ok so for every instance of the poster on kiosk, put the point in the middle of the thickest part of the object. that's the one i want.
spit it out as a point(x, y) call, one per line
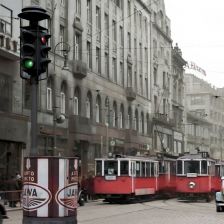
point(50, 187)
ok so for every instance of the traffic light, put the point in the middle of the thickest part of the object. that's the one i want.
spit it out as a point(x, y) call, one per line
point(28, 51)
point(43, 51)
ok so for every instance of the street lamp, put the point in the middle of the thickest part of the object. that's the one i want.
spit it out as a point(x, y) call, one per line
point(61, 118)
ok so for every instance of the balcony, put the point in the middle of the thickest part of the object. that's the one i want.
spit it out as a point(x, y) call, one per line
point(130, 93)
point(79, 69)
point(8, 47)
point(163, 119)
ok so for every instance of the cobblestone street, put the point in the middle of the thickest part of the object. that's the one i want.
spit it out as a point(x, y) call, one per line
point(159, 212)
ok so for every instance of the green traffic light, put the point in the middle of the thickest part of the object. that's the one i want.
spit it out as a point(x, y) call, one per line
point(28, 64)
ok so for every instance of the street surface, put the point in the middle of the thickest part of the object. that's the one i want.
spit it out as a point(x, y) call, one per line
point(154, 212)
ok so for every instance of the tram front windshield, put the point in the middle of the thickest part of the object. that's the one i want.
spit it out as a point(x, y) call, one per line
point(110, 167)
point(191, 167)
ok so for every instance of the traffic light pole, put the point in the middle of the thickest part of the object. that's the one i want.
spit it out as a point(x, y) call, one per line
point(34, 85)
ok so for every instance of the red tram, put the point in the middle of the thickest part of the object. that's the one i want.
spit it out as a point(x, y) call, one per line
point(167, 176)
point(197, 176)
point(124, 177)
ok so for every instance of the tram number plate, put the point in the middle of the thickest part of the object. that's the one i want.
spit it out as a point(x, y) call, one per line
point(110, 177)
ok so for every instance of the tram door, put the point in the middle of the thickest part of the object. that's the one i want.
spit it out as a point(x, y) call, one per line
point(133, 175)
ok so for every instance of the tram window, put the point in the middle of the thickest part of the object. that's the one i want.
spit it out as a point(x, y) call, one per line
point(204, 166)
point(211, 168)
point(137, 169)
point(152, 170)
point(148, 169)
point(143, 169)
point(124, 168)
point(110, 167)
point(161, 167)
point(173, 168)
point(98, 168)
point(179, 167)
point(191, 167)
point(217, 171)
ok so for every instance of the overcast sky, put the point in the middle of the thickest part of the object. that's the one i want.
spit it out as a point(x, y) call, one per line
point(198, 28)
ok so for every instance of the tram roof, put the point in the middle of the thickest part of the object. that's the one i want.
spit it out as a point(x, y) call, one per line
point(198, 156)
point(136, 158)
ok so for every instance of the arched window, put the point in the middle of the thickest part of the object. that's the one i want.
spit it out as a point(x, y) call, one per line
point(98, 109)
point(76, 101)
point(107, 115)
point(114, 114)
point(63, 97)
point(88, 105)
point(147, 124)
point(49, 94)
point(121, 117)
point(141, 129)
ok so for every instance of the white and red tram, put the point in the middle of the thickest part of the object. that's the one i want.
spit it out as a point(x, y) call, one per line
point(197, 176)
point(125, 177)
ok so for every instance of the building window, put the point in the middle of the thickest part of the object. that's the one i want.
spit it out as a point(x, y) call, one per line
point(129, 77)
point(114, 70)
point(106, 58)
point(97, 113)
point(106, 24)
point(121, 117)
point(78, 7)
point(114, 35)
point(98, 109)
point(129, 7)
point(98, 60)
point(98, 19)
point(77, 47)
point(5, 20)
point(89, 17)
point(140, 58)
point(122, 73)
point(88, 108)
point(136, 82)
point(49, 98)
point(142, 124)
point(89, 61)
point(76, 105)
point(141, 84)
point(129, 42)
point(121, 36)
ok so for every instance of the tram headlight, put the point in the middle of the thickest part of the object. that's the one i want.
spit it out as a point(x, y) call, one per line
point(191, 185)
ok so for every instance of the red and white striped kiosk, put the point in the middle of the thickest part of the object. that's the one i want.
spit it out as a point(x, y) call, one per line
point(50, 190)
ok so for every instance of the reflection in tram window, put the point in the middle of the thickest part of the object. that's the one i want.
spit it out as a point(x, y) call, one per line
point(110, 167)
point(204, 169)
point(124, 168)
point(191, 167)
point(98, 168)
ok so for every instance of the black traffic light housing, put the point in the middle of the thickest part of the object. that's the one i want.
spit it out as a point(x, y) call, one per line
point(28, 41)
point(43, 51)
point(34, 43)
